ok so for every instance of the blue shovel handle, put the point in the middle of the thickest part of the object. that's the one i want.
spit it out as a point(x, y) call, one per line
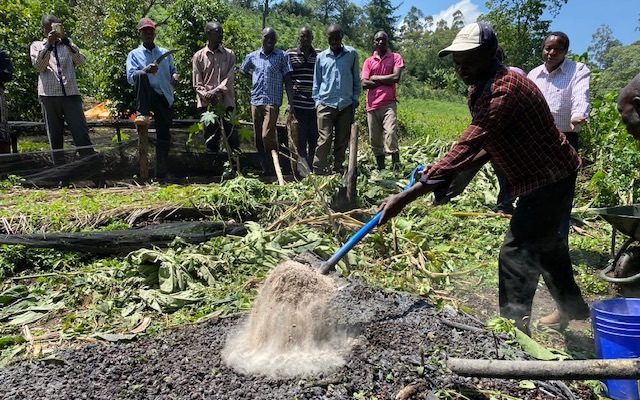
point(330, 264)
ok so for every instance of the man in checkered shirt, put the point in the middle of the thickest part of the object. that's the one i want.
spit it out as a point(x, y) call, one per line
point(269, 68)
point(56, 58)
point(512, 126)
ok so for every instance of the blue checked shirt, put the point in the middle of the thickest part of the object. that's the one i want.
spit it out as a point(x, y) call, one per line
point(336, 80)
point(140, 57)
point(268, 76)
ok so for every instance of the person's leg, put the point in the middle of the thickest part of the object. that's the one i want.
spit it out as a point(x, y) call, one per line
point(269, 133)
point(390, 127)
point(54, 123)
point(294, 125)
point(375, 120)
point(143, 91)
point(326, 117)
point(77, 122)
point(5, 137)
point(341, 140)
point(258, 116)
point(572, 138)
point(163, 115)
point(310, 132)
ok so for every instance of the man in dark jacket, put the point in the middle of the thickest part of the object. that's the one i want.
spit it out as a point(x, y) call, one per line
point(6, 74)
point(512, 126)
point(629, 106)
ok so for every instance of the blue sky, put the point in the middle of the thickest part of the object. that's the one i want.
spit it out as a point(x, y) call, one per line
point(578, 18)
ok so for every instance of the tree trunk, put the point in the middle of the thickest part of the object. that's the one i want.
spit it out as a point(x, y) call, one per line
point(352, 172)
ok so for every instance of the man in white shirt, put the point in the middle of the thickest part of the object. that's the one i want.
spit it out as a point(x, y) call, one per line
point(565, 85)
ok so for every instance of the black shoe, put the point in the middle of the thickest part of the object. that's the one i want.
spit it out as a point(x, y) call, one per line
point(380, 162)
point(395, 162)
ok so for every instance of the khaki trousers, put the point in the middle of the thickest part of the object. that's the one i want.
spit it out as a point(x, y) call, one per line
point(383, 130)
point(334, 127)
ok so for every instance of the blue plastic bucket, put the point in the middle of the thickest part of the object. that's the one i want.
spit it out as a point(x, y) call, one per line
point(616, 331)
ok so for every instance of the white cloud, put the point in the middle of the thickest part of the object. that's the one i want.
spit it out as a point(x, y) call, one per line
point(469, 10)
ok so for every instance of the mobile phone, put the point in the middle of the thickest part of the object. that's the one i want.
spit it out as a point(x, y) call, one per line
point(57, 28)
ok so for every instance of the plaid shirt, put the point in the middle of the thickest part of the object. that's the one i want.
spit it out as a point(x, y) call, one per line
point(512, 122)
point(56, 67)
point(268, 76)
point(566, 89)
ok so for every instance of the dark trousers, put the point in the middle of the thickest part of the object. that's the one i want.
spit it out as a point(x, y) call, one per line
point(533, 246)
point(213, 133)
point(572, 138)
point(57, 110)
point(307, 133)
point(147, 101)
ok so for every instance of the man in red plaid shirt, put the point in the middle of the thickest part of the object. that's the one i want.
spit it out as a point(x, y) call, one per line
point(512, 125)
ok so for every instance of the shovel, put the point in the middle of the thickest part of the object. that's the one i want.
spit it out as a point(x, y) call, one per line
point(330, 264)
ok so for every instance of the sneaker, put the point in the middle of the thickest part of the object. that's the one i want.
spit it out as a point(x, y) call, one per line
point(143, 120)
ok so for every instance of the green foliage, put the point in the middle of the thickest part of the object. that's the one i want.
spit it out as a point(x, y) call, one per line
point(440, 120)
point(21, 26)
point(613, 157)
point(623, 64)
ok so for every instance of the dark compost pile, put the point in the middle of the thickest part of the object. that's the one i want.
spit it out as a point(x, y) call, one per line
point(399, 340)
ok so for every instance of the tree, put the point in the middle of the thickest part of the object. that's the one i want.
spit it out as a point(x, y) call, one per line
point(458, 20)
point(520, 27)
point(623, 65)
point(293, 7)
point(378, 16)
point(602, 41)
point(412, 25)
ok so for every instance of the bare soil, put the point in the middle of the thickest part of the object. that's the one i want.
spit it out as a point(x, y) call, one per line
point(400, 340)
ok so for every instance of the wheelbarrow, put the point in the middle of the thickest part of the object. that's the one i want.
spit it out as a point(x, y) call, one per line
point(625, 263)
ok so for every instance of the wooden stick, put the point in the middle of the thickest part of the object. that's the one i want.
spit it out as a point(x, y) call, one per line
point(276, 166)
point(352, 172)
point(547, 370)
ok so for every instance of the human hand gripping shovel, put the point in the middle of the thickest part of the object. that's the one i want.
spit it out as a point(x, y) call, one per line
point(329, 265)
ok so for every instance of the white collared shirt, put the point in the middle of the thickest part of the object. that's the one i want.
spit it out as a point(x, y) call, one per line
point(566, 90)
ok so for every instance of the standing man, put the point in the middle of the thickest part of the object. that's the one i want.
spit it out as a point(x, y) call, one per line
point(6, 74)
point(511, 125)
point(213, 77)
point(336, 88)
point(380, 74)
point(269, 68)
point(304, 129)
point(629, 106)
point(55, 58)
point(153, 76)
point(565, 85)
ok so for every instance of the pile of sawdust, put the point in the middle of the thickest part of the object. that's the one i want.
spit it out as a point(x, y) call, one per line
point(287, 333)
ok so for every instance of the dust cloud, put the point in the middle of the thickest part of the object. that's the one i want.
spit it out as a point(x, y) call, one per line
point(287, 333)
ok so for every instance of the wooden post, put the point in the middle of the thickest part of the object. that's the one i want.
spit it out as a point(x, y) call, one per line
point(547, 370)
point(143, 150)
point(276, 166)
point(352, 172)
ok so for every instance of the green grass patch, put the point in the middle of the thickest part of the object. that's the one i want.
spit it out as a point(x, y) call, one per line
point(437, 119)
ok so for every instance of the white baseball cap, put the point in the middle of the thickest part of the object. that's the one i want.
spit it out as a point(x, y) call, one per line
point(470, 37)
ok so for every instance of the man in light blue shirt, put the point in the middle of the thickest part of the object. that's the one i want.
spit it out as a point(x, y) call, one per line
point(336, 88)
point(153, 75)
point(269, 68)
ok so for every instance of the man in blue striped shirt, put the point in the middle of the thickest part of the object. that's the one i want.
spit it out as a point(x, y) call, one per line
point(336, 87)
point(303, 125)
point(269, 67)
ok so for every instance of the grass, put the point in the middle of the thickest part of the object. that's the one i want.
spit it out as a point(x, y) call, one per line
point(438, 119)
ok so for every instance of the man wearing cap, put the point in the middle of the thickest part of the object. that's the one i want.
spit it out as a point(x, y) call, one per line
point(56, 58)
point(336, 88)
point(269, 68)
point(512, 126)
point(213, 78)
point(304, 127)
point(380, 74)
point(153, 76)
point(629, 106)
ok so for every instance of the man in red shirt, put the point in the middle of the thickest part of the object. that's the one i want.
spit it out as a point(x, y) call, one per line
point(512, 126)
point(380, 74)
